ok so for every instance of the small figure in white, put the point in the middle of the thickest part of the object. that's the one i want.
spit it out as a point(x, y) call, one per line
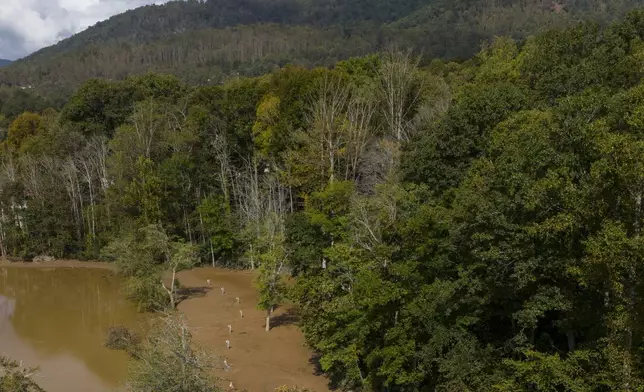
point(222, 290)
point(230, 328)
point(228, 344)
point(208, 282)
point(241, 314)
point(237, 299)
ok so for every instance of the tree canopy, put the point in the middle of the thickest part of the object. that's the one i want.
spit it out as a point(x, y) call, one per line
point(470, 226)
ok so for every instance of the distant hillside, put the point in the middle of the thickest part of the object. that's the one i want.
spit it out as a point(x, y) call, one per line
point(4, 62)
point(210, 41)
point(154, 22)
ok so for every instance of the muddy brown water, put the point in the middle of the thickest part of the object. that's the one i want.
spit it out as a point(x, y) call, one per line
point(56, 319)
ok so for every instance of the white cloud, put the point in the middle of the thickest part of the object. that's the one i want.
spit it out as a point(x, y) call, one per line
point(29, 25)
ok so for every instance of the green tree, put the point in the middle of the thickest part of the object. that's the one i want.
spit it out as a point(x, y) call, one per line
point(144, 256)
point(143, 194)
point(218, 226)
point(169, 361)
point(271, 254)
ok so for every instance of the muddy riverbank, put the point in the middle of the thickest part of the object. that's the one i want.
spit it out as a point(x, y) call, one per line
point(258, 360)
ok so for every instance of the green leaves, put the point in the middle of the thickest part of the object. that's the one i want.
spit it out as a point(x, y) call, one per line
point(328, 208)
point(505, 255)
point(550, 373)
point(216, 216)
point(144, 255)
point(143, 194)
point(15, 378)
point(272, 258)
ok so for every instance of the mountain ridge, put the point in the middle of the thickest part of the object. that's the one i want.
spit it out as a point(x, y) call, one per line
point(208, 42)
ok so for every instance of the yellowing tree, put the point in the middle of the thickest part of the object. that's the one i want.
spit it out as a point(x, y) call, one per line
point(267, 117)
point(23, 127)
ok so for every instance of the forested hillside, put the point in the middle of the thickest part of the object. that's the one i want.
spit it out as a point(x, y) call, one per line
point(207, 42)
point(465, 226)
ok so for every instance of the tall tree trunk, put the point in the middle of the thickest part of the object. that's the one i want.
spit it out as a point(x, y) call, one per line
point(171, 289)
point(2, 237)
point(570, 334)
point(212, 253)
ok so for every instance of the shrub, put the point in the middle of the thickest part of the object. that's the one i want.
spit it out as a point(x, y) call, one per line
point(15, 378)
point(122, 338)
point(168, 361)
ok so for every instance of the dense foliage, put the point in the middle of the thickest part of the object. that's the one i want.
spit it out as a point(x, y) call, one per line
point(457, 227)
point(143, 255)
point(207, 42)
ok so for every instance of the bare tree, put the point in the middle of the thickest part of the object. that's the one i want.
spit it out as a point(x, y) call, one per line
point(372, 215)
point(328, 114)
point(69, 173)
point(97, 151)
point(360, 112)
point(222, 154)
point(249, 201)
point(8, 167)
point(149, 121)
point(10, 176)
point(7, 176)
point(169, 360)
point(380, 164)
point(402, 91)
point(30, 173)
point(87, 174)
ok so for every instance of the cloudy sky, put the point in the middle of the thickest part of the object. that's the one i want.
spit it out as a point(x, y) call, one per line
point(28, 25)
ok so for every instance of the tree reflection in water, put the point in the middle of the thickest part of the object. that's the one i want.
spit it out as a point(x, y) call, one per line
point(7, 307)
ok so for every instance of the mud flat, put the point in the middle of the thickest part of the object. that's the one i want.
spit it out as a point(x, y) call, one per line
point(260, 361)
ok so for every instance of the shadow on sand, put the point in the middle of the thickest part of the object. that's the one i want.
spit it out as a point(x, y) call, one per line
point(290, 317)
point(333, 383)
point(185, 293)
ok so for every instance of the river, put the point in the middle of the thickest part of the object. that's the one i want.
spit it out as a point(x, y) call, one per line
point(56, 319)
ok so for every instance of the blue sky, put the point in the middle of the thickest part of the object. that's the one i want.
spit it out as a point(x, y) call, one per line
point(29, 25)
